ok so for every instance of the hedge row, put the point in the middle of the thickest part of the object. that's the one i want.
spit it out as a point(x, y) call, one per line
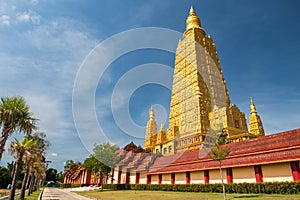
point(264, 188)
point(69, 185)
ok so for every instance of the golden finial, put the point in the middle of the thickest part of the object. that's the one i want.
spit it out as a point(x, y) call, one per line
point(192, 10)
point(162, 127)
point(193, 22)
point(152, 112)
point(252, 107)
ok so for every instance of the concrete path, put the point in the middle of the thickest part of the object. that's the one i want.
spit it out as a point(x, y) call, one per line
point(61, 194)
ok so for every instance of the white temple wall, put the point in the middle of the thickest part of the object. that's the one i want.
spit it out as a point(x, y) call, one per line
point(166, 179)
point(214, 176)
point(143, 178)
point(197, 177)
point(277, 172)
point(180, 178)
point(154, 179)
point(243, 175)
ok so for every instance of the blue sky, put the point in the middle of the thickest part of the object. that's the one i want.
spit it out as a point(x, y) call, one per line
point(44, 43)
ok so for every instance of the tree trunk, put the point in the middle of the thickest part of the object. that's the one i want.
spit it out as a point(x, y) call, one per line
point(28, 181)
point(221, 175)
point(6, 131)
point(35, 183)
point(15, 179)
point(30, 189)
point(23, 188)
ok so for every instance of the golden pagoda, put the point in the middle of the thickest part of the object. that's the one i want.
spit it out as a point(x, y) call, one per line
point(255, 123)
point(200, 103)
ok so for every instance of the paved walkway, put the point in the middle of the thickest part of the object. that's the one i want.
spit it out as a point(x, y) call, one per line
point(61, 194)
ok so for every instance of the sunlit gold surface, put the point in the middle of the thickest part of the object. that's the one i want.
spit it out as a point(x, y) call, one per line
point(199, 99)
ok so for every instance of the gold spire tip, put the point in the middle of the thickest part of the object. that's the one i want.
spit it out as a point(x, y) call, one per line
point(192, 10)
point(151, 112)
point(161, 126)
point(252, 106)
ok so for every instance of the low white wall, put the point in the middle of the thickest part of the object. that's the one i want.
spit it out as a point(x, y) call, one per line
point(214, 176)
point(166, 179)
point(180, 178)
point(197, 177)
point(271, 173)
point(143, 178)
point(243, 175)
point(277, 172)
point(116, 176)
point(132, 177)
point(154, 179)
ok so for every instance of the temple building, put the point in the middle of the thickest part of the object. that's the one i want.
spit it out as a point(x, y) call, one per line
point(200, 101)
point(200, 109)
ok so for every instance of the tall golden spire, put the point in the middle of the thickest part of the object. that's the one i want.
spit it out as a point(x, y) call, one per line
point(252, 107)
point(162, 127)
point(256, 126)
point(151, 131)
point(193, 22)
point(151, 113)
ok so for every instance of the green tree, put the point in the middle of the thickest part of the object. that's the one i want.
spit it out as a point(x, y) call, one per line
point(28, 160)
point(5, 177)
point(68, 164)
point(51, 174)
point(96, 167)
point(11, 168)
point(60, 177)
point(106, 154)
point(38, 175)
point(14, 116)
point(36, 156)
point(106, 157)
point(218, 153)
point(18, 150)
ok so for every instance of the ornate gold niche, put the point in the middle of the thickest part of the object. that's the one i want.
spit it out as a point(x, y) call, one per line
point(200, 100)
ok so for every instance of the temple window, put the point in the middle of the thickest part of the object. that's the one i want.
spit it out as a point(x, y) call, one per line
point(237, 124)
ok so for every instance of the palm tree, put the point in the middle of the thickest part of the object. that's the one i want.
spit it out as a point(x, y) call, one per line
point(29, 161)
point(36, 158)
point(19, 149)
point(11, 168)
point(14, 116)
point(38, 175)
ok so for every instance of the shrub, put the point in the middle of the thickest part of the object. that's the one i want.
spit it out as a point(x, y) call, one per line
point(19, 184)
point(69, 185)
point(266, 188)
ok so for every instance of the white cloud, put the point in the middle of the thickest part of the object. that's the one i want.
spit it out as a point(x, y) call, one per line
point(24, 17)
point(42, 68)
point(29, 16)
point(34, 2)
point(14, 12)
point(5, 20)
point(53, 154)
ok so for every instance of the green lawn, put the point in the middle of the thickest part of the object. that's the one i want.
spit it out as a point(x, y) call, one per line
point(33, 196)
point(163, 195)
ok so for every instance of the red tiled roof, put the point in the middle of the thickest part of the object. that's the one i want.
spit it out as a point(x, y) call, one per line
point(126, 159)
point(273, 148)
point(145, 162)
point(135, 160)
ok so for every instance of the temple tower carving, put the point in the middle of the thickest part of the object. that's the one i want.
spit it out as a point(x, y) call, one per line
point(256, 126)
point(151, 131)
point(200, 101)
